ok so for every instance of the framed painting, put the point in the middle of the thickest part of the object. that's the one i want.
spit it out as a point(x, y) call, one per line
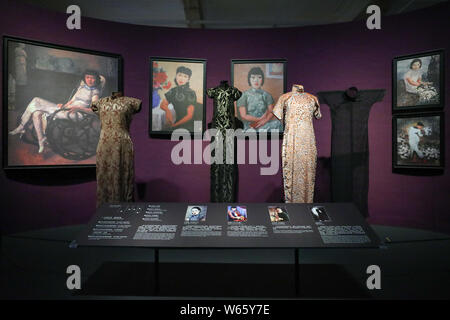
point(418, 140)
point(261, 82)
point(418, 81)
point(47, 93)
point(177, 96)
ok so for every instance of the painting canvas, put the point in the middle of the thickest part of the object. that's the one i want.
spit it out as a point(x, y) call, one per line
point(177, 95)
point(47, 94)
point(261, 82)
point(418, 141)
point(418, 81)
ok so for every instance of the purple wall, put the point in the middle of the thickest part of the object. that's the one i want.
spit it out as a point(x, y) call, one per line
point(332, 57)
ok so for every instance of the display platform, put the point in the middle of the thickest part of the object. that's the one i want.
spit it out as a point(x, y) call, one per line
point(219, 225)
point(33, 265)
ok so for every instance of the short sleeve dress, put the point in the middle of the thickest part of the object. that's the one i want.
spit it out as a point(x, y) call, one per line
point(115, 153)
point(224, 175)
point(182, 97)
point(299, 152)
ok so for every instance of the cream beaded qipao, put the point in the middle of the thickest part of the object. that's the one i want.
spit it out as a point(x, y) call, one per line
point(296, 110)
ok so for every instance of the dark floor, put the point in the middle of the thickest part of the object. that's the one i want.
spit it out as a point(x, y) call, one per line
point(414, 265)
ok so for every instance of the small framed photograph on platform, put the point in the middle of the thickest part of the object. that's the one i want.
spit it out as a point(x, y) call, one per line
point(418, 140)
point(196, 213)
point(418, 81)
point(237, 213)
point(319, 214)
point(278, 214)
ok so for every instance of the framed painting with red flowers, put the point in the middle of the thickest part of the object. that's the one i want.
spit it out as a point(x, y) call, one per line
point(177, 96)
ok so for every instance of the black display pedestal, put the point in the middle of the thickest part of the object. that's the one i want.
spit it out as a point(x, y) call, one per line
point(223, 280)
point(163, 227)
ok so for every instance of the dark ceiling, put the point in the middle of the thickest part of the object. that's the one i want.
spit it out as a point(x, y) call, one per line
point(229, 14)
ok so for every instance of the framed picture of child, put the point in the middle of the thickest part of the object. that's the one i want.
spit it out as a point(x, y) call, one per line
point(418, 140)
point(261, 82)
point(48, 90)
point(418, 81)
point(177, 96)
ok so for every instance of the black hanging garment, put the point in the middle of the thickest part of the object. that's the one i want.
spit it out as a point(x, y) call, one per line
point(224, 176)
point(350, 144)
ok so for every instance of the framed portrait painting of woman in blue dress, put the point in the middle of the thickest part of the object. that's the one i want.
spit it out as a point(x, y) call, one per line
point(261, 82)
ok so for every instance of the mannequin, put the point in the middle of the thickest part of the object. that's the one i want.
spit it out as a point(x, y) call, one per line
point(116, 94)
point(115, 153)
point(352, 93)
point(350, 110)
point(224, 176)
point(298, 88)
point(295, 110)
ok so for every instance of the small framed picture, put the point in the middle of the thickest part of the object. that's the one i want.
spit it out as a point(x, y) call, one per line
point(418, 81)
point(237, 213)
point(418, 140)
point(261, 82)
point(319, 214)
point(177, 95)
point(196, 213)
point(278, 214)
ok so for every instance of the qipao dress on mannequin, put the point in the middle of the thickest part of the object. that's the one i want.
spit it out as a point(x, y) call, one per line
point(350, 144)
point(115, 153)
point(299, 153)
point(224, 176)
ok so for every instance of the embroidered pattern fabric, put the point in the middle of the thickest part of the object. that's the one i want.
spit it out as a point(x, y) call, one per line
point(299, 153)
point(224, 176)
point(115, 153)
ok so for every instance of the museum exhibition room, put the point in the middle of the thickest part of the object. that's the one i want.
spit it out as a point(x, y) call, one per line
point(204, 149)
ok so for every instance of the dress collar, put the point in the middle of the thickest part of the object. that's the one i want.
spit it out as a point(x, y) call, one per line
point(253, 90)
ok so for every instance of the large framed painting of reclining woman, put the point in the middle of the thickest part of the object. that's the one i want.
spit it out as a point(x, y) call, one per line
point(47, 93)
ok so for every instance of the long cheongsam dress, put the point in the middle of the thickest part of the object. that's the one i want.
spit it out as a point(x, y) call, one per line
point(350, 145)
point(224, 175)
point(115, 153)
point(299, 152)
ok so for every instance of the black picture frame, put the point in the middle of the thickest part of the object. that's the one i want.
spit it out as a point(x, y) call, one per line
point(243, 88)
point(404, 156)
point(65, 67)
point(154, 126)
point(403, 101)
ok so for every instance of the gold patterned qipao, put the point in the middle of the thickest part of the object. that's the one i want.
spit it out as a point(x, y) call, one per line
point(115, 153)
